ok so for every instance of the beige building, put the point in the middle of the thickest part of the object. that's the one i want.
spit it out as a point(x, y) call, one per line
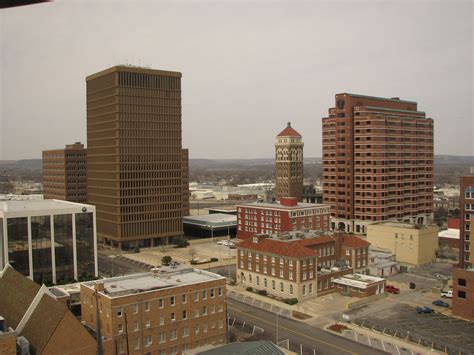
point(161, 312)
point(411, 244)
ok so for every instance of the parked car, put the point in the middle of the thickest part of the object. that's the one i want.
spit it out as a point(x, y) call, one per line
point(412, 285)
point(440, 303)
point(392, 289)
point(446, 294)
point(424, 310)
point(222, 242)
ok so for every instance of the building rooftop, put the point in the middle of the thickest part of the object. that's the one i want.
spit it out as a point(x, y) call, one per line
point(165, 277)
point(289, 132)
point(352, 241)
point(213, 220)
point(396, 224)
point(292, 249)
point(378, 98)
point(278, 206)
point(357, 280)
point(133, 69)
point(449, 233)
point(41, 206)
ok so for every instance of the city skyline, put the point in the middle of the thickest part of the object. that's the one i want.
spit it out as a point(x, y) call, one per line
point(265, 71)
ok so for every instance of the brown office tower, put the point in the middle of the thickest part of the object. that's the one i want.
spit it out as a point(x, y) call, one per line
point(134, 155)
point(64, 173)
point(185, 177)
point(377, 162)
point(289, 164)
point(463, 273)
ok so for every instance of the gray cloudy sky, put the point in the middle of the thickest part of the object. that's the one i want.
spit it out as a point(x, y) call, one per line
point(248, 67)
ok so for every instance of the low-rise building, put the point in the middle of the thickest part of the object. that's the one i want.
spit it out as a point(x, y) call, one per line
point(298, 265)
point(169, 310)
point(382, 263)
point(357, 285)
point(411, 244)
point(285, 216)
point(50, 241)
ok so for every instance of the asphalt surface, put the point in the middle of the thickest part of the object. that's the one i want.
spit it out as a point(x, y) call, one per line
point(111, 265)
point(312, 340)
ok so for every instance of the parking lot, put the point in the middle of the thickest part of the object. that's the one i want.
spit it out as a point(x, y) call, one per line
point(436, 330)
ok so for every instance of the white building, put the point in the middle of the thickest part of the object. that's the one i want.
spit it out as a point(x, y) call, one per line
point(50, 241)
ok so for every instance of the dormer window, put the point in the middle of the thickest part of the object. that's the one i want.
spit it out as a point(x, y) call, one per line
point(255, 239)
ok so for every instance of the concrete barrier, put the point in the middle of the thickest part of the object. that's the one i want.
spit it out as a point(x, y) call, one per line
point(363, 301)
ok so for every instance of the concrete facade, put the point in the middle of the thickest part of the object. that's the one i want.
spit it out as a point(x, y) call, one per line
point(377, 162)
point(411, 244)
point(134, 155)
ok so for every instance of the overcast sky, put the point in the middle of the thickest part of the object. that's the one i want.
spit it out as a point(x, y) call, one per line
point(248, 67)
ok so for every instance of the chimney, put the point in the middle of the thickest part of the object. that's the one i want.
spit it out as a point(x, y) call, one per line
point(289, 201)
point(99, 286)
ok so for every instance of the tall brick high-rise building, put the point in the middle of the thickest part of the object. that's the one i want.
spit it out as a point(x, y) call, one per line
point(65, 173)
point(289, 164)
point(463, 273)
point(377, 162)
point(134, 156)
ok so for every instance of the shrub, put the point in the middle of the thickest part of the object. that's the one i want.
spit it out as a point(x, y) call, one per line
point(290, 301)
point(165, 260)
point(180, 242)
point(214, 259)
point(250, 289)
point(262, 292)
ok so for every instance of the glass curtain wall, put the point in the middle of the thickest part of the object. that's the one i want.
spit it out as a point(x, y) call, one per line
point(17, 229)
point(85, 246)
point(41, 247)
point(63, 248)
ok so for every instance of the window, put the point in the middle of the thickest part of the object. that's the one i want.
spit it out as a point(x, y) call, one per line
point(160, 302)
point(204, 310)
point(135, 308)
point(174, 334)
point(462, 294)
point(290, 263)
point(204, 294)
point(119, 312)
point(250, 278)
point(173, 317)
point(462, 282)
point(204, 327)
point(273, 260)
point(147, 306)
point(212, 292)
point(304, 289)
point(264, 269)
point(219, 291)
point(183, 298)
point(136, 345)
point(148, 323)
point(348, 252)
point(310, 288)
point(282, 288)
point(257, 281)
point(185, 331)
point(120, 328)
point(265, 282)
point(148, 340)
point(135, 325)
point(162, 320)
point(304, 275)
point(311, 274)
point(172, 300)
point(273, 271)
point(196, 329)
point(185, 315)
point(162, 337)
point(281, 272)
point(273, 284)
point(291, 289)
point(257, 267)
point(196, 296)
point(290, 275)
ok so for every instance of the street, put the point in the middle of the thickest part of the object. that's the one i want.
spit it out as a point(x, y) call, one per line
point(313, 340)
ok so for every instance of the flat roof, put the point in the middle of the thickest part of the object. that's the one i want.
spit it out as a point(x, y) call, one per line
point(357, 280)
point(278, 206)
point(377, 98)
point(212, 220)
point(166, 277)
point(449, 233)
point(133, 69)
point(394, 110)
point(41, 206)
point(400, 225)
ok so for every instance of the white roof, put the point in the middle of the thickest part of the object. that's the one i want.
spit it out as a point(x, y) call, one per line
point(449, 233)
point(41, 207)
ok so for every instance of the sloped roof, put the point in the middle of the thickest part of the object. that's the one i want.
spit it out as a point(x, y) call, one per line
point(289, 132)
point(351, 241)
point(291, 249)
point(246, 348)
point(16, 294)
point(316, 241)
point(43, 321)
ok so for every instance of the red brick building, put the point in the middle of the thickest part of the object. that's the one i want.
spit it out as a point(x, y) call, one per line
point(298, 265)
point(463, 273)
point(377, 162)
point(273, 218)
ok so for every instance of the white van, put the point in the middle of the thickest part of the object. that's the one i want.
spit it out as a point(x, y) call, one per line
point(447, 294)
